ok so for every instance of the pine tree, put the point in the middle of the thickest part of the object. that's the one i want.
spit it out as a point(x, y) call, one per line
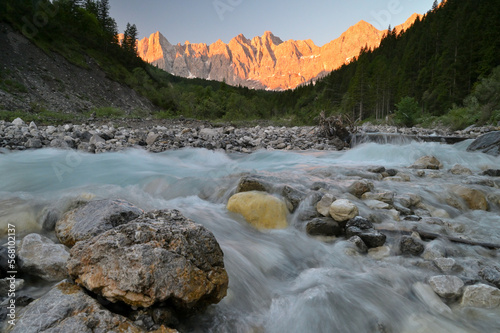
point(434, 5)
point(129, 38)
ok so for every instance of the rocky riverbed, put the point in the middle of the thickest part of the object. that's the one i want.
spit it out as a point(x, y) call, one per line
point(378, 238)
point(167, 135)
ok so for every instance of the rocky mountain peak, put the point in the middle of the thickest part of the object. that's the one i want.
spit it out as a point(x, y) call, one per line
point(263, 62)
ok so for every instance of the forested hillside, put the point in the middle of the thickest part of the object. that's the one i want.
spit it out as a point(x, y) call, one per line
point(431, 67)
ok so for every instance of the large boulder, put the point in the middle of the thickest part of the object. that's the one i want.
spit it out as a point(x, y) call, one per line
point(260, 209)
point(40, 256)
point(93, 219)
point(68, 308)
point(488, 143)
point(159, 257)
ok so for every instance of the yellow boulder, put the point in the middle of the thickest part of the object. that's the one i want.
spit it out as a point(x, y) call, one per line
point(260, 209)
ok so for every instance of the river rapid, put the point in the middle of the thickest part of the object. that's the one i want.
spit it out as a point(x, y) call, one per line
point(285, 280)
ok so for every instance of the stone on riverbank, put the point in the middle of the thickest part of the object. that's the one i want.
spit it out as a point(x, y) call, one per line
point(40, 256)
point(159, 257)
point(260, 209)
point(67, 308)
point(93, 219)
point(323, 227)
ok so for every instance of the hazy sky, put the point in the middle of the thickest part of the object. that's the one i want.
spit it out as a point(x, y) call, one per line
point(205, 21)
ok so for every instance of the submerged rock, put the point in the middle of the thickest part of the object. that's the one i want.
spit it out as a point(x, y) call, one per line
point(411, 245)
point(40, 256)
point(481, 296)
point(488, 143)
point(458, 169)
point(475, 199)
point(159, 257)
point(260, 209)
point(252, 183)
point(427, 162)
point(93, 219)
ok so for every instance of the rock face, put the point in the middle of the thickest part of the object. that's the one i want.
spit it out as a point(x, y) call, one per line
point(261, 62)
point(93, 219)
point(159, 257)
point(67, 308)
point(260, 209)
point(488, 143)
point(40, 256)
point(48, 82)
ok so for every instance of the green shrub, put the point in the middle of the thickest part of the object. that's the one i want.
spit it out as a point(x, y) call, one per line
point(108, 112)
point(406, 112)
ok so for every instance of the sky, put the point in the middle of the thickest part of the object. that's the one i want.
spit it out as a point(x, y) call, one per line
point(206, 21)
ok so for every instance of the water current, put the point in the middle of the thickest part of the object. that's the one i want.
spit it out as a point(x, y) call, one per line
point(281, 280)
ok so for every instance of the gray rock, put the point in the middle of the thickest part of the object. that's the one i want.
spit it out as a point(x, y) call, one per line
point(445, 264)
point(323, 205)
point(488, 143)
point(34, 143)
point(427, 162)
point(18, 122)
point(358, 242)
point(252, 183)
point(481, 296)
point(411, 245)
point(94, 218)
point(447, 286)
point(360, 222)
point(360, 187)
point(96, 139)
point(491, 274)
point(40, 256)
point(292, 196)
point(159, 257)
point(67, 308)
point(323, 227)
point(151, 138)
point(372, 238)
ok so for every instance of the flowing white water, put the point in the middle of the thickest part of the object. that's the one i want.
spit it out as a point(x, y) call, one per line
point(280, 280)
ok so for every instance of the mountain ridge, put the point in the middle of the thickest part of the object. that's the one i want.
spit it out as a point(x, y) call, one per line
point(262, 62)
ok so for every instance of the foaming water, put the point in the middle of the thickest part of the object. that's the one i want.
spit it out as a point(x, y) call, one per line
point(280, 280)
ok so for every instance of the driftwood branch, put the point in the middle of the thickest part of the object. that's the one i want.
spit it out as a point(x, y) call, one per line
point(430, 235)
